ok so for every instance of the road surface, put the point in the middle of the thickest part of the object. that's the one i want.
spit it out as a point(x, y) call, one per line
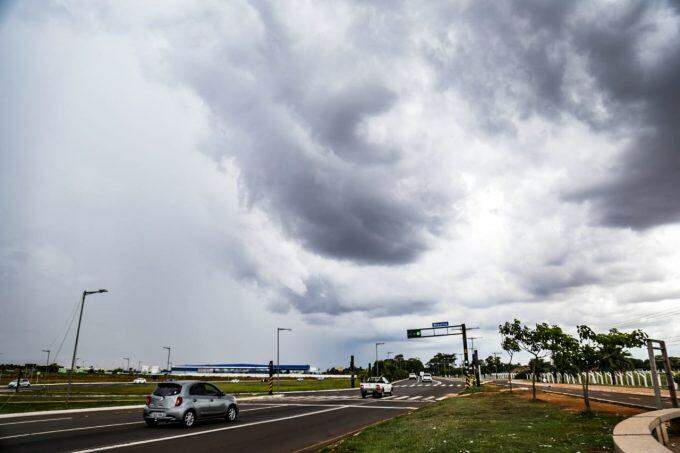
point(295, 422)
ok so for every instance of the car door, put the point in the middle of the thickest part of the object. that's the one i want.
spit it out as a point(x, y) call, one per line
point(199, 400)
point(218, 405)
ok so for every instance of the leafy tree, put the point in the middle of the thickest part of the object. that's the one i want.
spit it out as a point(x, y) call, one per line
point(510, 346)
point(589, 351)
point(538, 342)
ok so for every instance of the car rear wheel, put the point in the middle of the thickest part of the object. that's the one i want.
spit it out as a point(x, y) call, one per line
point(189, 419)
point(363, 394)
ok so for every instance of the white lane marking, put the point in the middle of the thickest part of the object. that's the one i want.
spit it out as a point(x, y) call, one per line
point(428, 398)
point(91, 427)
point(37, 421)
point(73, 411)
point(388, 397)
point(69, 430)
point(412, 385)
point(208, 431)
point(414, 398)
point(401, 397)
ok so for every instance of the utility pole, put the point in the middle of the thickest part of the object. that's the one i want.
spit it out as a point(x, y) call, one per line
point(278, 363)
point(376, 357)
point(168, 363)
point(75, 346)
point(351, 370)
point(47, 362)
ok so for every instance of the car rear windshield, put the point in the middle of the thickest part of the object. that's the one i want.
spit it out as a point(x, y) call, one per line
point(374, 379)
point(167, 389)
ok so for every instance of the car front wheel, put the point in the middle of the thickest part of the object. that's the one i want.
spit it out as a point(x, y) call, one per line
point(232, 414)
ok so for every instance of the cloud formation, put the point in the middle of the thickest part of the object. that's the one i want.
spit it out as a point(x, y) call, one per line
point(336, 165)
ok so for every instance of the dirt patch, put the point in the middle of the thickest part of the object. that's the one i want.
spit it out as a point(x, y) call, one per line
point(574, 404)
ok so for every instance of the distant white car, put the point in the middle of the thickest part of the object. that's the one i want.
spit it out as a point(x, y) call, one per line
point(412, 376)
point(300, 379)
point(321, 378)
point(139, 380)
point(235, 381)
point(427, 377)
point(23, 384)
point(376, 386)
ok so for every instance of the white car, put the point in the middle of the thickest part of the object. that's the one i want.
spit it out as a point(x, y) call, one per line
point(427, 377)
point(23, 384)
point(412, 376)
point(376, 386)
point(139, 380)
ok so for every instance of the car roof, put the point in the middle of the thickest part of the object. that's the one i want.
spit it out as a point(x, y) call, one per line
point(185, 382)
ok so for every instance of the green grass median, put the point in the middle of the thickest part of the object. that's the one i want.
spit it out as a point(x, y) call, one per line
point(488, 421)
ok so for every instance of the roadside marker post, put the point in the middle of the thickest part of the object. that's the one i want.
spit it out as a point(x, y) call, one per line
point(271, 377)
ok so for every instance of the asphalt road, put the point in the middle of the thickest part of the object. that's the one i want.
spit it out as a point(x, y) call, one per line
point(627, 399)
point(295, 422)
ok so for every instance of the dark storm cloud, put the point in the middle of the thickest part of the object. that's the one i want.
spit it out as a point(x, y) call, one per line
point(518, 59)
point(322, 297)
point(300, 143)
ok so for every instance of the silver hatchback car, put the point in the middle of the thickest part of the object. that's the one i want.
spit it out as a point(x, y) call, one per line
point(187, 402)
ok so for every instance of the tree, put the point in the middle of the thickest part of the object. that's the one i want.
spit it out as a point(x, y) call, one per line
point(589, 351)
point(538, 342)
point(510, 346)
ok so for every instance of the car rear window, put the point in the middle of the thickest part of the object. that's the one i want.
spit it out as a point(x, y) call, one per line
point(375, 379)
point(167, 389)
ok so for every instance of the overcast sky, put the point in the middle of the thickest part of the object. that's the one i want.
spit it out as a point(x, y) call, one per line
point(345, 169)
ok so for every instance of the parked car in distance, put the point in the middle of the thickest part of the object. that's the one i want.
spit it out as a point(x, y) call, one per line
point(376, 386)
point(187, 402)
point(23, 384)
point(139, 380)
point(412, 376)
point(427, 377)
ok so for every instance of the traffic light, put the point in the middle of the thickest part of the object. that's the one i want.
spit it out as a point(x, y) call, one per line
point(271, 368)
point(413, 333)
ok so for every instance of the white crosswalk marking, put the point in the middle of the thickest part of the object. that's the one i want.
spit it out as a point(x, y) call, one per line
point(414, 398)
point(402, 397)
point(412, 385)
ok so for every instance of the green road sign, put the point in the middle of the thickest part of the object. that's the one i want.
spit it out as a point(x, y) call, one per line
point(413, 333)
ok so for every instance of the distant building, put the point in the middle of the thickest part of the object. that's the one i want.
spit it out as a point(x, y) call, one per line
point(237, 368)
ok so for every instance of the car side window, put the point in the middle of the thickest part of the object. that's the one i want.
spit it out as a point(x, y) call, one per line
point(197, 389)
point(211, 390)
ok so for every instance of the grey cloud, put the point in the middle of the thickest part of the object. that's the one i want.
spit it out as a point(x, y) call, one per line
point(298, 140)
point(528, 55)
point(323, 298)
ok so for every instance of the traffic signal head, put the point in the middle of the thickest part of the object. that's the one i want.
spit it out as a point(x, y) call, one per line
point(413, 333)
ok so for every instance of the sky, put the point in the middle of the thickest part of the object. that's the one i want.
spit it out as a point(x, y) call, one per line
point(346, 169)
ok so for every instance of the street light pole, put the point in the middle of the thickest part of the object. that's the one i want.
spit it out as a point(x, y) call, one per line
point(168, 363)
point(75, 346)
point(376, 357)
point(47, 363)
point(278, 363)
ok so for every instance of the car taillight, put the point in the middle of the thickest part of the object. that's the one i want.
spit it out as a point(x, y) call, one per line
point(148, 400)
point(178, 401)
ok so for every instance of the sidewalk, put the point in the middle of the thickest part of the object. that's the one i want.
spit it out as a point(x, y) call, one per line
point(597, 387)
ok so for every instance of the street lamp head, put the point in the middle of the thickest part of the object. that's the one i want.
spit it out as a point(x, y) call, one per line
point(103, 291)
point(280, 329)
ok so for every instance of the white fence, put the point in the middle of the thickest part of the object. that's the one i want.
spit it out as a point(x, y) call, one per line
point(635, 378)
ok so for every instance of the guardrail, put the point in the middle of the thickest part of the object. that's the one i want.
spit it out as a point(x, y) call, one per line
point(636, 434)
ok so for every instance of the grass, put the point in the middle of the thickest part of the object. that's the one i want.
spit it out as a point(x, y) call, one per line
point(487, 421)
point(114, 395)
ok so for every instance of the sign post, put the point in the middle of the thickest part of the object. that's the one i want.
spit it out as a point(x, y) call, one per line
point(443, 329)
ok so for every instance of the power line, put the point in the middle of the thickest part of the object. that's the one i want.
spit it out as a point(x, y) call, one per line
point(650, 317)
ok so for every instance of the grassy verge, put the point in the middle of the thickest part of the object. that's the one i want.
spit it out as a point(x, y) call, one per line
point(487, 421)
point(114, 395)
